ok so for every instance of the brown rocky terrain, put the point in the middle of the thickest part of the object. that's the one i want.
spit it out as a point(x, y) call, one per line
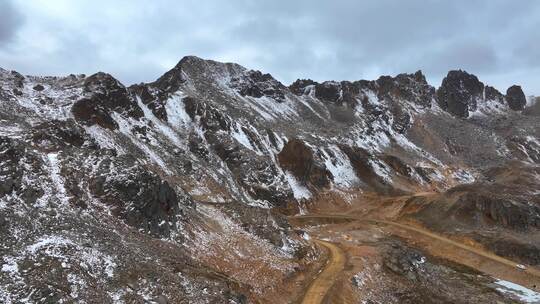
point(179, 190)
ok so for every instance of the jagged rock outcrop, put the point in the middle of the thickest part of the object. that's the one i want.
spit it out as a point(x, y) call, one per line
point(498, 210)
point(10, 173)
point(410, 87)
point(460, 93)
point(57, 135)
point(493, 94)
point(515, 98)
point(105, 95)
point(135, 195)
point(257, 84)
point(300, 86)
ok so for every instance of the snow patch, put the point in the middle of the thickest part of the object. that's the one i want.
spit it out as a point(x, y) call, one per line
point(240, 136)
point(164, 129)
point(524, 294)
point(340, 167)
point(58, 181)
point(104, 138)
point(299, 191)
point(176, 111)
point(487, 107)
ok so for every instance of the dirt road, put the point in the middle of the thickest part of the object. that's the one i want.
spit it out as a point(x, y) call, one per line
point(324, 281)
point(427, 233)
point(316, 293)
point(477, 251)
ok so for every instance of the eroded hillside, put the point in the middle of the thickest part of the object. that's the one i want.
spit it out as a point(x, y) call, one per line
point(178, 190)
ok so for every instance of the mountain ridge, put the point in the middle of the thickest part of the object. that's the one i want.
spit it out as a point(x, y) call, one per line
point(205, 162)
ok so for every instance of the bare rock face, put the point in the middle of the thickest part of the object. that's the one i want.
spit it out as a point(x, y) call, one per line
point(255, 174)
point(135, 195)
point(154, 103)
point(38, 88)
point(257, 84)
point(10, 172)
point(363, 165)
point(106, 95)
point(57, 135)
point(338, 93)
point(459, 93)
point(300, 86)
point(516, 98)
point(410, 87)
point(493, 94)
point(211, 118)
point(329, 92)
point(298, 158)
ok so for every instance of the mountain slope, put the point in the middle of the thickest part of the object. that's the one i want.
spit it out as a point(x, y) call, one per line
point(177, 188)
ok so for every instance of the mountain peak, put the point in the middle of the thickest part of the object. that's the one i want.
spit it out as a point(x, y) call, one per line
point(195, 67)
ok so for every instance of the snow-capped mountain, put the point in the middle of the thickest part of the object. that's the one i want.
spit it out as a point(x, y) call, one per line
point(177, 189)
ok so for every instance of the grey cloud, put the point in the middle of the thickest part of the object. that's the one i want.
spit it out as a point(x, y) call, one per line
point(10, 21)
point(323, 40)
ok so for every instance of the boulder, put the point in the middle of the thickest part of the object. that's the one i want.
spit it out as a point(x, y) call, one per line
point(459, 93)
point(516, 98)
point(38, 88)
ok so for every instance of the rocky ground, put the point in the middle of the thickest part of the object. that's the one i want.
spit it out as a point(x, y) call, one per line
point(177, 191)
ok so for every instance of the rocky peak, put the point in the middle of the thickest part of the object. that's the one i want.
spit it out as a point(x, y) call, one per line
point(420, 77)
point(460, 92)
point(172, 79)
point(299, 86)
point(105, 94)
point(339, 93)
point(410, 87)
point(516, 98)
point(102, 83)
point(493, 94)
point(256, 84)
point(188, 67)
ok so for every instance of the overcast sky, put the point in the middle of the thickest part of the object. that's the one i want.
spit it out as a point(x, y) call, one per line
point(137, 41)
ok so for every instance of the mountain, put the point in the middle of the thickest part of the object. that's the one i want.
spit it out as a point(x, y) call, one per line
point(178, 190)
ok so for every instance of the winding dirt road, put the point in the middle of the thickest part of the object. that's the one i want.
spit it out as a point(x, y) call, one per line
point(319, 287)
point(323, 282)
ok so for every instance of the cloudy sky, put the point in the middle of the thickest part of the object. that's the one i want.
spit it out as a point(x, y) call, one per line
point(137, 41)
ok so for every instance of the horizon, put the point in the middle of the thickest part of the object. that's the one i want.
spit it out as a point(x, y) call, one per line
point(287, 84)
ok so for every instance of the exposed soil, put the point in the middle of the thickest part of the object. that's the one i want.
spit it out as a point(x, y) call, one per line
point(318, 289)
point(359, 245)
